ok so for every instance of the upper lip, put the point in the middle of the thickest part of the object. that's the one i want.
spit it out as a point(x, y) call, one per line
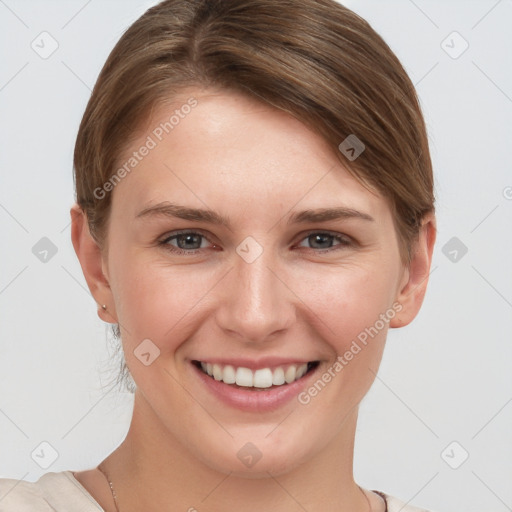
point(255, 364)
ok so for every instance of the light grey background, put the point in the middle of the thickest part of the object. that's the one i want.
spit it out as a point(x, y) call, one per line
point(444, 378)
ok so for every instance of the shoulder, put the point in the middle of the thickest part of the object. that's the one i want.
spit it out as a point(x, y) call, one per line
point(396, 505)
point(18, 495)
point(53, 492)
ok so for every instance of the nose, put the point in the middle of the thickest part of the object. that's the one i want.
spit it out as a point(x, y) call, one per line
point(256, 303)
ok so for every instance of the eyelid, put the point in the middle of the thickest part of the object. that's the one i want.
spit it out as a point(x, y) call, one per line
point(172, 234)
point(164, 242)
point(335, 234)
point(344, 241)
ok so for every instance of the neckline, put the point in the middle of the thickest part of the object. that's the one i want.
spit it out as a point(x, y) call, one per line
point(383, 496)
point(71, 477)
point(69, 474)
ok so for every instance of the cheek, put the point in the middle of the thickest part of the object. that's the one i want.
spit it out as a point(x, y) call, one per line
point(157, 302)
point(346, 303)
point(351, 311)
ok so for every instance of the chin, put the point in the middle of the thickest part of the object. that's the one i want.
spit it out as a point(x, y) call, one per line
point(254, 459)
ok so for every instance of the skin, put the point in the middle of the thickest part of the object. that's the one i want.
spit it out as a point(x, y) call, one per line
point(256, 166)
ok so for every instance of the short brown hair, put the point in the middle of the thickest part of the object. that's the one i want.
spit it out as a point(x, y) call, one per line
point(314, 59)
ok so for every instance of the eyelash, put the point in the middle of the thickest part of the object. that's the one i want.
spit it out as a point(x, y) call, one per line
point(344, 241)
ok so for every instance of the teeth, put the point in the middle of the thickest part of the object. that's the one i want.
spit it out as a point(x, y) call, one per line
point(278, 377)
point(290, 374)
point(262, 378)
point(301, 370)
point(244, 377)
point(217, 372)
point(228, 375)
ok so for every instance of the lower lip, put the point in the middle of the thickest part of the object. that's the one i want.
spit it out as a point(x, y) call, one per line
point(250, 399)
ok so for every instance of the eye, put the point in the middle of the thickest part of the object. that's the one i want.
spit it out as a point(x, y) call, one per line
point(185, 242)
point(191, 242)
point(324, 241)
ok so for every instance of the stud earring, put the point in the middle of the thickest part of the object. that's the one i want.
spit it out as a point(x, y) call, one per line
point(104, 307)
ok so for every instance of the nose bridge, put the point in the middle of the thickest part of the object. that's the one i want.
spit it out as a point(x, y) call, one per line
point(257, 303)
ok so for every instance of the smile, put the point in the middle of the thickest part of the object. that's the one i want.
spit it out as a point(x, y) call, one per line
point(262, 378)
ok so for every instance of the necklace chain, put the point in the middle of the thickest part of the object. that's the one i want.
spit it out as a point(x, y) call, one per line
point(111, 486)
point(102, 469)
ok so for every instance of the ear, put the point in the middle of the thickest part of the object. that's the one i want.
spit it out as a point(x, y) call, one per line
point(413, 286)
point(93, 264)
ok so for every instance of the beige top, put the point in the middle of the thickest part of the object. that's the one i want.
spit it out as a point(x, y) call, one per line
point(62, 492)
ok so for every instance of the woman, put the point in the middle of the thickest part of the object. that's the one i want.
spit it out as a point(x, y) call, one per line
point(255, 210)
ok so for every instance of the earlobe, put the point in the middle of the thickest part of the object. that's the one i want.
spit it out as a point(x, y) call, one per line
point(413, 287)
point(93, 265)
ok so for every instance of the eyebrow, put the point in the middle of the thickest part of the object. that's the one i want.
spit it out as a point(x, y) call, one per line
point(324, 214)
point(168, 209)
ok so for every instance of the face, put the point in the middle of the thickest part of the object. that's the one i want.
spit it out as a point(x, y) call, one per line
point(239, 246)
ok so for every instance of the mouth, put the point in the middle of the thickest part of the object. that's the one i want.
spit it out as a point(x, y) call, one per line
point(260, 379)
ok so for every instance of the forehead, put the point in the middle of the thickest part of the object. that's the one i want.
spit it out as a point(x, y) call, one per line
point(223, 148)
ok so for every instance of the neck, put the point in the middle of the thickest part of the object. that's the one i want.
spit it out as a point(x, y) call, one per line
point(150, 472)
